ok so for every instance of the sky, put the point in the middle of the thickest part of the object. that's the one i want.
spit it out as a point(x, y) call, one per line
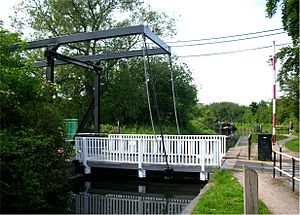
point(242, 77)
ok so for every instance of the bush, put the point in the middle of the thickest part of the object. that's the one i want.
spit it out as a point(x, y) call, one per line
point(33, 150)
point(33, 167)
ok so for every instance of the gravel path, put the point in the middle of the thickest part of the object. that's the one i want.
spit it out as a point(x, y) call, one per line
point(276, 193)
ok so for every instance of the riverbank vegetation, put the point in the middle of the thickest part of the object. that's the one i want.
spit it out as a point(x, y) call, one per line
point(225, 196)
point(33, 147)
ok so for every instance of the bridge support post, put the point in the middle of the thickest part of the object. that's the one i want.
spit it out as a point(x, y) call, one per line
point(142, 172)
point(87, 169)
point(203, 154)
point(203, 176)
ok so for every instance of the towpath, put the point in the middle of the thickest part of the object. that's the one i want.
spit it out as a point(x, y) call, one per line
point(276, 192)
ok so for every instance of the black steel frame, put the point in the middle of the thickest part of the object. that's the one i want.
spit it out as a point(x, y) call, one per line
point(54, 58)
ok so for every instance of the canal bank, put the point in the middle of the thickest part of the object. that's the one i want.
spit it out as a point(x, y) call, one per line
point(276, 193)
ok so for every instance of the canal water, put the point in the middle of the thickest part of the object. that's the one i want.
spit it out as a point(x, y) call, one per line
point(107, 195)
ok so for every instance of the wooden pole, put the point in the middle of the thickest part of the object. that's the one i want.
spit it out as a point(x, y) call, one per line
point(250, 191)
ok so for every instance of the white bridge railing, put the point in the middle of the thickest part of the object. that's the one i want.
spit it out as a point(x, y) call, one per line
point(182, 150)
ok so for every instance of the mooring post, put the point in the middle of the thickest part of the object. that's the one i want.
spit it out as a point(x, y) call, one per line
point(250, 191)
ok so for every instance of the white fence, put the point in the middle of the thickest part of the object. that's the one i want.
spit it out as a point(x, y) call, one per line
point(183, 150)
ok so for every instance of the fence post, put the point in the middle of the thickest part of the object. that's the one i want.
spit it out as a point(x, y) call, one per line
point(293, 175)
point(280, 161)
point(274, 164)
point(220, 151)
point(142, 172)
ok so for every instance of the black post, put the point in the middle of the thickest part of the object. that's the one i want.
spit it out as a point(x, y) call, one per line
point(274, 164)
point(96, 104)
point(293, 175)
point(50, 67)
point(280, 160)
point(50, 63)
point(249, 144)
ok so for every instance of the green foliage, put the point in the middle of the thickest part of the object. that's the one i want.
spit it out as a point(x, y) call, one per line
point(293, 145)
point(85, 16)
point(224, 197)
point(226, 111)
point(290, 15)
point(32, 170)
point(126, 101)
point(288, 75)
point(33, 148)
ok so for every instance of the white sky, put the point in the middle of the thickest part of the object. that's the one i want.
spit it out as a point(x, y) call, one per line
point(240, 77)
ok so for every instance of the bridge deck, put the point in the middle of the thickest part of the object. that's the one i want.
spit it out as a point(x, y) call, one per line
point(185, 153)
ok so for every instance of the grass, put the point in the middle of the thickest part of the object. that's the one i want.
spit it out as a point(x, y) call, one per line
point(293, 145)
point(278, 137)
point(224, 197)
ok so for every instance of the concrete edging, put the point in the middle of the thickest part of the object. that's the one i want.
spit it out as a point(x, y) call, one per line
point(190, 207)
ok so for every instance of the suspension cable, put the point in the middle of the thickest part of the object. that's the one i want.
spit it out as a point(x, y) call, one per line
point(147, 85)
point(155, 101)
point(173, 94)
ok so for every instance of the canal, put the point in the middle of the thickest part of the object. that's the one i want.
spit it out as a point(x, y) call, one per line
point(127, 195)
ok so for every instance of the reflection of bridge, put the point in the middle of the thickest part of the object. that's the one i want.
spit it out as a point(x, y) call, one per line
point(185, 153)
point(103, 202)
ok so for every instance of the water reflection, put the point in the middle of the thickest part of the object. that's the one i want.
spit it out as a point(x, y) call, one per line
point(134, 197)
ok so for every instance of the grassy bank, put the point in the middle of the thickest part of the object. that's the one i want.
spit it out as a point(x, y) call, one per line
point(224, 197)
point(278, 137)
point(293, 145)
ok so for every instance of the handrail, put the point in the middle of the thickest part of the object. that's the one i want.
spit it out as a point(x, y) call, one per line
point(280, 169)
point(286, 155)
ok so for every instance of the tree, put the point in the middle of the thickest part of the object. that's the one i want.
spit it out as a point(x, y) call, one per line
point(33, 148)
point(288, 75)
point(125, 99)
point(126, 94)
point(76, 85)
point(226, 111)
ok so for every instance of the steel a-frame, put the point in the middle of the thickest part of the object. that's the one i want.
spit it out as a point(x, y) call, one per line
point(92, 62)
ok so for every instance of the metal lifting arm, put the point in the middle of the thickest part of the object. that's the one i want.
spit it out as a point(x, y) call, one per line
point(54, 54)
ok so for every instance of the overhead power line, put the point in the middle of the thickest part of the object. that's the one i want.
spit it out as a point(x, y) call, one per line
point(227, 41)
point(231, 52)
point(224, 37)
